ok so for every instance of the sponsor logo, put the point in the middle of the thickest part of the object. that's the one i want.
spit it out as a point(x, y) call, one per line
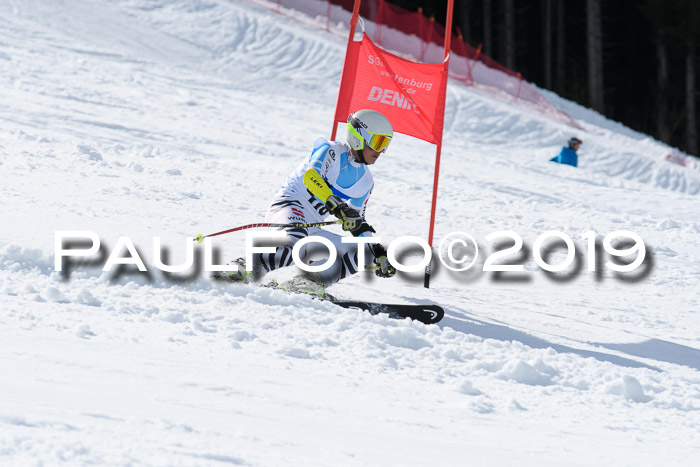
point(393, 98)
point(316, 182)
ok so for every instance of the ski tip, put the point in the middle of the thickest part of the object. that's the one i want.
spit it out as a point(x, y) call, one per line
point(438, 314)
point(427, 314)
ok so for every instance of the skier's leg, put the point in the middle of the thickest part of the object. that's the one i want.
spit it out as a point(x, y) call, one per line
point(285, 209)
point(346, 263)
point(282, 257)
point(266, 262)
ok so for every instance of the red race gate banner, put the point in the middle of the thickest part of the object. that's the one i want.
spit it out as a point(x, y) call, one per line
point(411, 95)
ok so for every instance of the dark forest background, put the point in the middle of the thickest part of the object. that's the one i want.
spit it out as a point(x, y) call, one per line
point(633, 61)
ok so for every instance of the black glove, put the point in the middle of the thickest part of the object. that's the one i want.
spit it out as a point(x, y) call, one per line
point(384, 268)
point(352, 221)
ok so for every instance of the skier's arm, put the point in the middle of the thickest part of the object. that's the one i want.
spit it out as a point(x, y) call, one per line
point(352, 217)
point(384, 267)
point(321, 160)
point(319, 163)
point(352, 220)
point(317, 185)
point(360, 205)
point(355, 210)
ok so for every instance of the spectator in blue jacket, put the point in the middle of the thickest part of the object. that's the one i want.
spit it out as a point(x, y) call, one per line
point(568, 154)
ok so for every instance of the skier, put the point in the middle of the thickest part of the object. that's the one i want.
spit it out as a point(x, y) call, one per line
point(335, 179)
point(568, 154)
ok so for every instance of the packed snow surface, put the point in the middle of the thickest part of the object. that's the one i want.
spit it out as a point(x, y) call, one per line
point(155, 118)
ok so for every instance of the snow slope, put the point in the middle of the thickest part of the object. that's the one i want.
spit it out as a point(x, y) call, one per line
point(155, 118)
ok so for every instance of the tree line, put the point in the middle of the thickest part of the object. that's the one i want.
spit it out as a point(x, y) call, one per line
point(633, 61)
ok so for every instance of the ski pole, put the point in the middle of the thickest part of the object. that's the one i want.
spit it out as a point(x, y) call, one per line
point(199, 238)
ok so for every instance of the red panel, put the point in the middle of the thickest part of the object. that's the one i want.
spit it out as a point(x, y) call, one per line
point(411, 95)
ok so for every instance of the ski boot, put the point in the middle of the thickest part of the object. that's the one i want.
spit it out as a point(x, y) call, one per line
point(240, 275)
point(309, 283)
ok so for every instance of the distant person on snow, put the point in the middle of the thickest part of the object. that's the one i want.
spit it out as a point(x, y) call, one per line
point(334, 180)
point(568, 154)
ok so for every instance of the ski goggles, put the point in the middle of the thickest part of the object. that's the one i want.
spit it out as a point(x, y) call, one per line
point(375, 141)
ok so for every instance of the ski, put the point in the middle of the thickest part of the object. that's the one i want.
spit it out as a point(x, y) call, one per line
point(428, 314)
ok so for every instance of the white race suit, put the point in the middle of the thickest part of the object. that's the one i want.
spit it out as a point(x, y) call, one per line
point(294, 203)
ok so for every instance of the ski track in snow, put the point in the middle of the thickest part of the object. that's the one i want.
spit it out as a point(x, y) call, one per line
point(151, 118)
